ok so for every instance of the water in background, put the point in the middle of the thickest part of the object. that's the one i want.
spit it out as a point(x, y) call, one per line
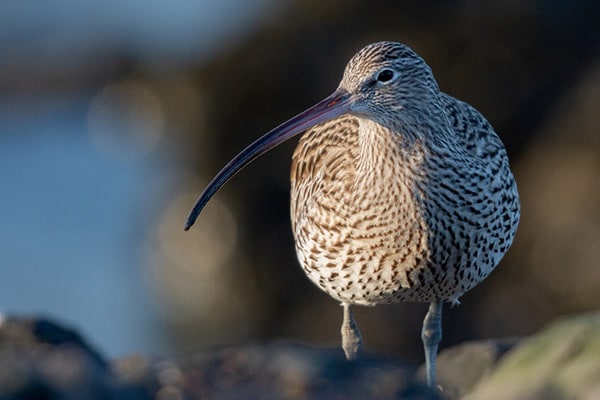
point(79, 168)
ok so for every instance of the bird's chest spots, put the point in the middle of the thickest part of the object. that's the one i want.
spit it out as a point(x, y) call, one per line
point(363, 254)
point(359, 228)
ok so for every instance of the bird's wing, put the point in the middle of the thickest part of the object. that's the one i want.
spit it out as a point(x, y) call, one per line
point(473, 131)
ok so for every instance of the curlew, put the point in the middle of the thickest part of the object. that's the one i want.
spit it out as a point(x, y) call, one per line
point(399, 192)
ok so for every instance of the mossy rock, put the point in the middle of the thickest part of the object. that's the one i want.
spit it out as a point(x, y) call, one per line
point(560, 362)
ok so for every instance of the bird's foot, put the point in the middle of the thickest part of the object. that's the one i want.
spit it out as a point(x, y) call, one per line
point(454, 302)
point(351, 338)
point(431, 335)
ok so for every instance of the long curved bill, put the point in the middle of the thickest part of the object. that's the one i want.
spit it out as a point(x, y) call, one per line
point(327, 109)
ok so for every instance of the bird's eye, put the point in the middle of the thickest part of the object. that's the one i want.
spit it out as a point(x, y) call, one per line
point(385, 76)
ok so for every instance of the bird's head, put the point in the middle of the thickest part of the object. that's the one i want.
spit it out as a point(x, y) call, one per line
point(385, 80)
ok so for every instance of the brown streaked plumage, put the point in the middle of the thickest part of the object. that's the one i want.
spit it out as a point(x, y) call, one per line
point(399, 191)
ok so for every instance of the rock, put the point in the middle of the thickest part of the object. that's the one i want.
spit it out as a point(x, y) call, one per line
point(560, 362)
point(39, 359)
point(461, 367)
point(295, 371)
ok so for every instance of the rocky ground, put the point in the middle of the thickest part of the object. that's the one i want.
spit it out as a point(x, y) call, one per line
point(40, 359)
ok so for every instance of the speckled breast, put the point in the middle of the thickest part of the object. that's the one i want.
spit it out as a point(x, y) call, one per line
point(359, 237)
point(374, 224)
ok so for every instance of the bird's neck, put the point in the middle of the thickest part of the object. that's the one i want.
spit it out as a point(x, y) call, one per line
point(386, 154)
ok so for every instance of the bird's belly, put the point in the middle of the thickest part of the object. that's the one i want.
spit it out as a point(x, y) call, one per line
point(358, 268)
point(377, 256)
point(384, 254)
point(360, 276)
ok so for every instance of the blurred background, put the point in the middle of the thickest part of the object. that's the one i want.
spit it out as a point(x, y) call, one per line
point(115, 114)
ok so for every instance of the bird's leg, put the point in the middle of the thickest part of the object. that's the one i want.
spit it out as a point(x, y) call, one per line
point(431, 336)
point(351, 338)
